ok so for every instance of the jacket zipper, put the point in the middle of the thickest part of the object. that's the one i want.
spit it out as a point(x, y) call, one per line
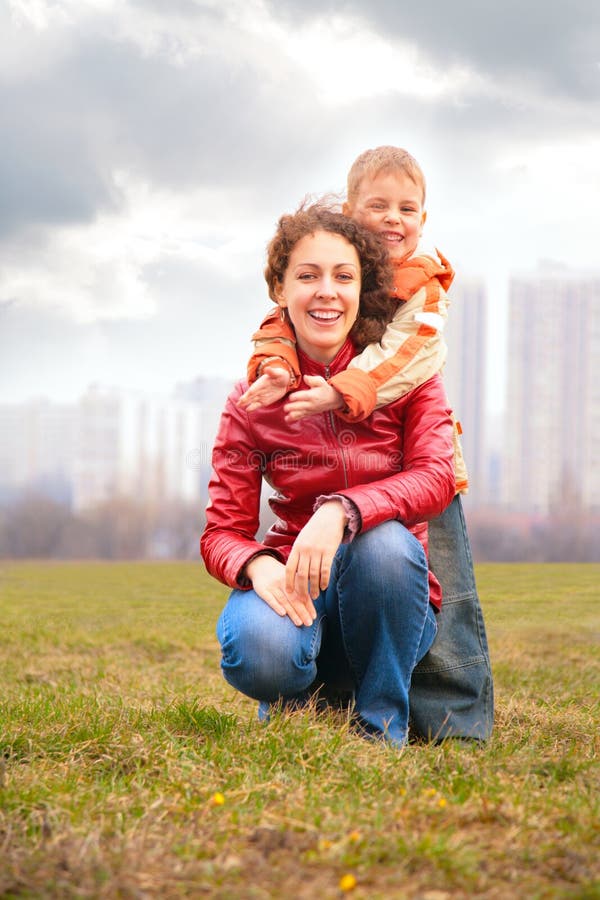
point(332, 423)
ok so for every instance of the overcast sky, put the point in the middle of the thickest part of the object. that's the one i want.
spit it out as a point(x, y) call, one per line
point(148, 147)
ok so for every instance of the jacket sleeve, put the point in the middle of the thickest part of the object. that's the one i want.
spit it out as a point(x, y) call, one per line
point(274, 343)
point(234, 497)
point(426, 484)
point(411, 351)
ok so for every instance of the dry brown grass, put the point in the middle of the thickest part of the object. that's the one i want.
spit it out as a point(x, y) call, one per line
point(117, 731)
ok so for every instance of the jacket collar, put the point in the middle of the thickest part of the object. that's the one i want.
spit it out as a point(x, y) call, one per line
point(311, 367)
point(412, 274)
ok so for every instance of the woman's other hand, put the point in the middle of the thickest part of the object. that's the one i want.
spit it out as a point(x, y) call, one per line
point(267, 575)
point(309, 565)
point(321, 397)
point(270, 387)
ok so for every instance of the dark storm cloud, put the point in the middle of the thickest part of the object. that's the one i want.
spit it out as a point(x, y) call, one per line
point(49, 172)
point(549, 46)
point(98, 105)
point(106, 105)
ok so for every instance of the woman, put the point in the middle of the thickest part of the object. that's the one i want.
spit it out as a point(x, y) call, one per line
point(339, 591)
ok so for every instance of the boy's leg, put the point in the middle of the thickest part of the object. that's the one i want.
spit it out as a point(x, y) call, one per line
point(452, 689)
point(378, 612)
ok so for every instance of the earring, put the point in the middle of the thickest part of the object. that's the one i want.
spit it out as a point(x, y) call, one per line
point(282, 313)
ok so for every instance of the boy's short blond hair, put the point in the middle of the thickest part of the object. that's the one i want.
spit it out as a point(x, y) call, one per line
point(383, 159)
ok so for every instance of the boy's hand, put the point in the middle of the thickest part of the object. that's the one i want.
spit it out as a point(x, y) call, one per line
point(267, 389)
point(320, 398)
point(267, 575)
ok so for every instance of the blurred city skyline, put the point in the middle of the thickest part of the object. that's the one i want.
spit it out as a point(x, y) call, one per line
point(537, 458)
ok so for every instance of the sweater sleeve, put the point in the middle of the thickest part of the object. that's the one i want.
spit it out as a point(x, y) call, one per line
point(411, 351)
point(234, 492)
point(274, 342)
point(426, 484)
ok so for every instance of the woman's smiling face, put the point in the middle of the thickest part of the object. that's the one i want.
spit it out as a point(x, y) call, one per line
point(321, 292)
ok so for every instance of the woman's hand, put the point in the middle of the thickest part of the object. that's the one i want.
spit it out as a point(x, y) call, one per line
point(267, 389)
point(267, 575)
point(320, 398)
point(309, 565)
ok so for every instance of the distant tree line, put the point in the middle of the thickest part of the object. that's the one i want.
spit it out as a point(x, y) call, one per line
point(36, 525)
point(563, 536)
point(121, 528)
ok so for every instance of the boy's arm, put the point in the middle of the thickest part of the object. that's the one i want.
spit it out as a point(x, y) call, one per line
point(411, 351)
point(273, 367)
point(274, 345)
point(268, 388)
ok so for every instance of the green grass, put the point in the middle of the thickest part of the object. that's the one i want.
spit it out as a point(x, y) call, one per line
point(117, 730)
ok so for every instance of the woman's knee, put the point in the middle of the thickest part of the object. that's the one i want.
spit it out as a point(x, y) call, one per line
point(388, 549)
point(264, 655)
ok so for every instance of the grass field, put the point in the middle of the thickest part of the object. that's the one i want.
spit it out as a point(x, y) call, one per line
point(129, 769)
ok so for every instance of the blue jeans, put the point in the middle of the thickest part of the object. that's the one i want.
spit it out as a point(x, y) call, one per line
point(452, 693)
point(374, 623)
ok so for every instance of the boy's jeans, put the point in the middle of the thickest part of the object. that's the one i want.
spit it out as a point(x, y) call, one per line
point(452, 690)
point(374, 624)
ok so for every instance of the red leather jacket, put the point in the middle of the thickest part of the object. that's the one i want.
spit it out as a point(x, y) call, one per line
point(395, 464)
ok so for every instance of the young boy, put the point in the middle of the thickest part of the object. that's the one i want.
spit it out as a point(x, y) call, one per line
point(386, 194)
point(452, 692)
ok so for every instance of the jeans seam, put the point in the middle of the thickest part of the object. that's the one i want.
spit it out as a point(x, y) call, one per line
point(449, 599)
point(224, 617)
point(317, 631)
point(414, 661)
point(351, 663)
point(474, 661)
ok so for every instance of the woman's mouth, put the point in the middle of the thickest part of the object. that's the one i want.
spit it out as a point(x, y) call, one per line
point(325, 316)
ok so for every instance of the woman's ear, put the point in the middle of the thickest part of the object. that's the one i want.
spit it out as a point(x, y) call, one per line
point(278, 292)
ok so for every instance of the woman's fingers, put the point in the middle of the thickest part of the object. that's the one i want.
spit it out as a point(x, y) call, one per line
point(303, 574)
point(314, 576)
point(325, 572)
point(300, 612)
point(293, 614)
point(268, 580)
point(282, 605)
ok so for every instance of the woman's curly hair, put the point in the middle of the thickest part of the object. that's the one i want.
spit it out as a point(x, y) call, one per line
point(376, 307)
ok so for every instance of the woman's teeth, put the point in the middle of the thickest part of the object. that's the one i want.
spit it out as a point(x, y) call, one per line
point(325, 316)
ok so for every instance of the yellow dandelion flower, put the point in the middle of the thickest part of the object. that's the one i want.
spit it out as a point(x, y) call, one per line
point(402, 792)
point(442, 802)
point(354, 836)
point(429, 792)
point(347, 883)
point(324, 844)
point(217, 799)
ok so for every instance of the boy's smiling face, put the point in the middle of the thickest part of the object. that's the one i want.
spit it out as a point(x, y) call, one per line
point(391, 205)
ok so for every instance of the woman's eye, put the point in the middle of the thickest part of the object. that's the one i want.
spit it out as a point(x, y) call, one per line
point(306, 276)
point(345, 276)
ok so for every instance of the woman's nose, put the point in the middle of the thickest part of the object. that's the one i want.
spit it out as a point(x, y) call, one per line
point(326, 288)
